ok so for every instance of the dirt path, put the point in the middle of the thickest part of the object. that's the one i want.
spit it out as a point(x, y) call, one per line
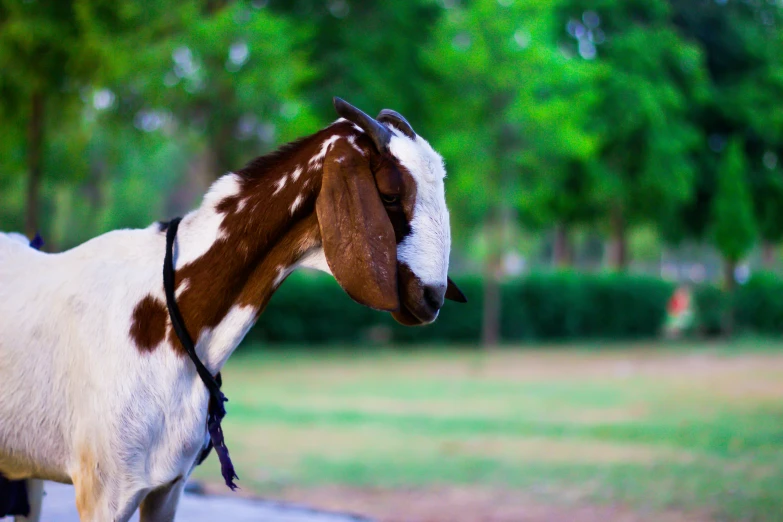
point(472, 504)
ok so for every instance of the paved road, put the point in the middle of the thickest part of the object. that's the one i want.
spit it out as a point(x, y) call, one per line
point(59, 507)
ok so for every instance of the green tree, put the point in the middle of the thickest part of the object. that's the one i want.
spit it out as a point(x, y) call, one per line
point(503, 104)
point(228, 74)
point(366, 52)
point(37, 44)
point(743, 48)
point(734, 227)
point(767, 189)
point(197, 89)
point(650, 77)
point(51, 51)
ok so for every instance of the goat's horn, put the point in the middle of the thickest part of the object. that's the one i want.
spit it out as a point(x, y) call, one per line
point(398, 120)
point(380, 135)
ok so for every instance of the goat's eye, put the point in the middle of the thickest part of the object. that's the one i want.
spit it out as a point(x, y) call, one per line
point(390, 199)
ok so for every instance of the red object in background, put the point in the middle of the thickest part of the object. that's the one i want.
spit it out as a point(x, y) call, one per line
point(680, 302)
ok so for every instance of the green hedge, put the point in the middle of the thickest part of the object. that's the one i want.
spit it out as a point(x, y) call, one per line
point(758, 306)
point(310, 309)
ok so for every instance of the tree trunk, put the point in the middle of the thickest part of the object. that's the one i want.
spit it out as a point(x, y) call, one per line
point(618, 251)
point(768, 255)
point(562, 252)
point(729, 284)
point(490, 326)
point(34, 157)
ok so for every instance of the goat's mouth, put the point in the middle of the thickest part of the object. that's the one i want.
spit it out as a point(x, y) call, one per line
point(414, 316)
point(414, 309)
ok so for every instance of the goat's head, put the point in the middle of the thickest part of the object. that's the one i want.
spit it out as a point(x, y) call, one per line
point(384, 222)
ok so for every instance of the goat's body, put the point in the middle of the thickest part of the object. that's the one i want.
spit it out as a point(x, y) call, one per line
point(70, 374)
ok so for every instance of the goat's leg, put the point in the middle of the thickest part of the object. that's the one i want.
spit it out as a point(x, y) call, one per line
point(35, 493)
point(89, 486)
point(161, 504)
point(101, 498)
point(113, 503)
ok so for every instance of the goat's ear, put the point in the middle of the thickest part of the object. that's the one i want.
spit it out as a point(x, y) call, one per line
point(358, 237)
point(453, 293)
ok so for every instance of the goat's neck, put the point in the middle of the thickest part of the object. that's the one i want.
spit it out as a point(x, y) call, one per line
point(250, 232)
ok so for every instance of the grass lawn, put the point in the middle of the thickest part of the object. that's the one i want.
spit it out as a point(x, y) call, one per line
point(638, 432)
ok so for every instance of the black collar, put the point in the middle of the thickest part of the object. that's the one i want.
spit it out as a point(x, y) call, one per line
point(217, 409)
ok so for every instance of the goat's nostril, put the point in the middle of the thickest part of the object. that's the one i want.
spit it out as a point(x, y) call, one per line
point(434, 295)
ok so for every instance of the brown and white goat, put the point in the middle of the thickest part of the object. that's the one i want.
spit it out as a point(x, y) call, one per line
point(96, 387)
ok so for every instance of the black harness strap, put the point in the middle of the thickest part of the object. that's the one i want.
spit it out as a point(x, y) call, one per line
point(208, 448)
point(217, 409)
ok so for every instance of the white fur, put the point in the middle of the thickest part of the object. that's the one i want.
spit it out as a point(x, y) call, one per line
point(296, 173)
point(282, 273)
point(317, 160)
point(426, 249)
point(316, 260)
point(313, 258)
point(279, 184)
point(183, 285)
point(200, 229)
point(241, 205)
point(340, 120)
point(352, 141)
point(215, 345)
point(296, 203)
point(16, 236)
point(74, 380)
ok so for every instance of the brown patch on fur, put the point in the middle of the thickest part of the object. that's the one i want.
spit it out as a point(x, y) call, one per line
point(148, 325)
point(259, 236)
point(301, 236)
point(88, 485)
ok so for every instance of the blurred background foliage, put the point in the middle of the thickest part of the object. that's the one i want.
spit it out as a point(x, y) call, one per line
point(637, 136)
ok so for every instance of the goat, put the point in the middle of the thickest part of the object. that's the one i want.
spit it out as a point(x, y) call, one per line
point(97, 389)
